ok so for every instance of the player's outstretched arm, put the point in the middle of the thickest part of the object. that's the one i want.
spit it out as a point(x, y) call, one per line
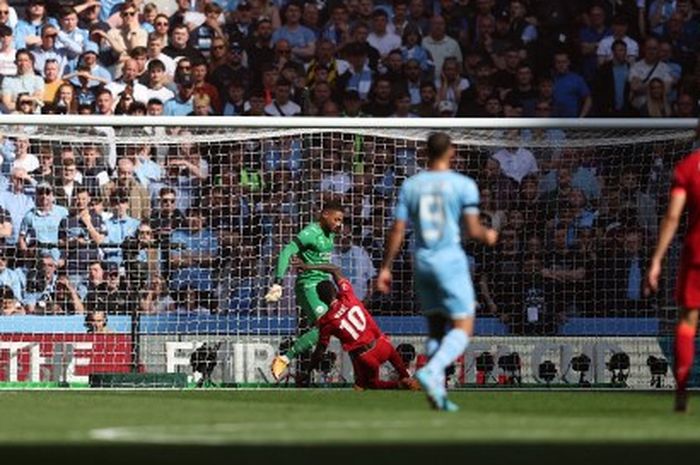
point(274, 294)
point(669, 226)
point(478, 232)
point(396, 237)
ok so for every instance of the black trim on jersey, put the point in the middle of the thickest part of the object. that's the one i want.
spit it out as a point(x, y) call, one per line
point(299, 244)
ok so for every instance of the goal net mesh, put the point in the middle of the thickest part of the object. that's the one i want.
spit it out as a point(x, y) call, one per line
point(126, 249)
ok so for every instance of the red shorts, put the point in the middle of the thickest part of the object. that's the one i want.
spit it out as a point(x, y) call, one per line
point(688, 286)
point(367, 365)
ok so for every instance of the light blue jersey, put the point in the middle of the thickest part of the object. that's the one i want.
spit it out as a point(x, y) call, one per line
point(434, 202)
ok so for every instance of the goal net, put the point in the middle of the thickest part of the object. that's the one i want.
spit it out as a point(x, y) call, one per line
point(138, 252)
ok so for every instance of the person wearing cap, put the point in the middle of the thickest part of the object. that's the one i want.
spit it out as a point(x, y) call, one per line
point(181, 104)
point(226, 65)
point(446, 108)
point(154, 51)
point(119, 227)
point(88, 63)
point(49, 50)
point(28, 29)
point(301, 38)
point(38, 232)
point(7, 51)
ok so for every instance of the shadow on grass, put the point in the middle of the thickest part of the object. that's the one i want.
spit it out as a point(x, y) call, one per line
point(399, 454)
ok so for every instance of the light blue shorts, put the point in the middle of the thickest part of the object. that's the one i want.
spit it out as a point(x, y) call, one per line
point(444, 285)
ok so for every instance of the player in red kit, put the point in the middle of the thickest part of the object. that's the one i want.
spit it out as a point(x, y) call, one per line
point(685, 191)
point(348, 320)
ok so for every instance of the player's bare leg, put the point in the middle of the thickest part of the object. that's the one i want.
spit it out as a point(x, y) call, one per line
point(684, 348)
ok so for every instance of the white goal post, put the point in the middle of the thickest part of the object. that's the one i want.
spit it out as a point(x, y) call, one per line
point(577, 203)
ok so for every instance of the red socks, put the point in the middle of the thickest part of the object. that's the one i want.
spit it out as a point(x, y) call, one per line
point(684, 353)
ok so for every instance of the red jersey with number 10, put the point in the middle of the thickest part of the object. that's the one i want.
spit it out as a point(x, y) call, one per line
point(348, 320)
point(686, 178)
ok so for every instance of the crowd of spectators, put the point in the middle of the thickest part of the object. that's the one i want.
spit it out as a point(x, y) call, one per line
point(194, 228)
point(402, 58)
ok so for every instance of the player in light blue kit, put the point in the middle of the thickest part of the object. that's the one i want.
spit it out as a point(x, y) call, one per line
point(440, 204)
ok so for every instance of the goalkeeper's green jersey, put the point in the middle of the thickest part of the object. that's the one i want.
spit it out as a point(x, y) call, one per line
point(314, 246)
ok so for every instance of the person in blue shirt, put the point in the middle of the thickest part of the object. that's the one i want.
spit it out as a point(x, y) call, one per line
point(301, 38)
point(16, 201)
point(11, 278)
point(571, 97)
point(439, 203)
point(120, 227)
point(194, 254)
point(181, 104)
point(38, 233)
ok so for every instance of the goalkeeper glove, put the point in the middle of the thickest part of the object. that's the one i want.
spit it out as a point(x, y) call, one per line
point(274, 294)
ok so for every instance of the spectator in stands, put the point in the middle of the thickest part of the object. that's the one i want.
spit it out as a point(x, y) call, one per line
point(380, 103)
point(179, 45)
point(201, 86)
point(516, 163)
point(451, 85)
point(619, 32)
point(590, 36)
point(685, 107)
point(128, 36)
point(182, 103)
point(260, 53)
point(195, 259)
point(41, 285)
point(25, 81)
point(104, 102)
point(146, 170)
point(28, 29)
point(52, 81)
point(301, 38)
point(623, 270)
point(15, 201)
point(154, 51)
point(644, 71)
point(337, 30)
point(11, 278)
point(356, 264)
point(96, 323)
point(381, 38)
point(71, 37)
point(226, 66)
point(119, 228)
point(129, 82)
point(611, 89)
point(633, 199)
point(89, 63)
point(656, 105)
point(68, 183)
point(80, 235)
point(157, 79)
point(38, 232)
point(112, 296)
point(571, 97)
point(440, 45)
point(126, 186)
point(564, 273)
point(7, 48)
point(156, 298)
point(203, 35)
point(281, 105)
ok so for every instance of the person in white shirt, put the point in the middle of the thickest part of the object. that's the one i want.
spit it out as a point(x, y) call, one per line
point(7, 52)
point(154, 51)
point(619, 32)
point(440, 45)
point(642, 72)
point(451, 85)
point(157, 78)
point(282, 105)
point(516, 163)
point(356, 264)
point(24, 159)
point(129, 75)
point(381, 38)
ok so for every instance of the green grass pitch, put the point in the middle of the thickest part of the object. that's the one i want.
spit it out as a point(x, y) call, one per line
point(342, 426)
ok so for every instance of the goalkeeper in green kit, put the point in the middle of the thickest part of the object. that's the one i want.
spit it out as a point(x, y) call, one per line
point(313, 245)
